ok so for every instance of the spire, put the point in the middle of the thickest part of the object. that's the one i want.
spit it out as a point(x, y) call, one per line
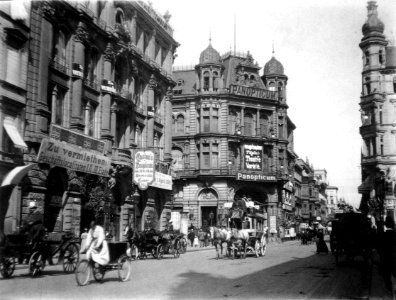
point(273, 48)
point(210, 38)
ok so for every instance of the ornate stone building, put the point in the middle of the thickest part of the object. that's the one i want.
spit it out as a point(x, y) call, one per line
point(98, 90)
point(378, 109)
point(232, 139)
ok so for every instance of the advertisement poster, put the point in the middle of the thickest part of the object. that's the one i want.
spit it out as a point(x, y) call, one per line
point(253, 156)
point(143, 173)
point(71, 157)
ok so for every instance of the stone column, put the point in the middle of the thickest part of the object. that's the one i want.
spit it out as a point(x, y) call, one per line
point(151, 50)
point(80, 38)
point(168, 125)
point(211, 82)
point(242, 125)
point(106, 100)
point(202, 81)
point(150, 120)
point(113, 126)
point(54, 96)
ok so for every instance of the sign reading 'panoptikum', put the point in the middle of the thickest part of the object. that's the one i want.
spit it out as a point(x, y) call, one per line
point(67, 156)
point(255, 177)
point(253, 92)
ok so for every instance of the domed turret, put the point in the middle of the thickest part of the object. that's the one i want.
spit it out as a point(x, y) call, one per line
point(209, 55)
point(273, 67)
point(373, 23)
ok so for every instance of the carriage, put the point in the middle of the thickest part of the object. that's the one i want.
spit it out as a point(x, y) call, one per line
point(351, 236)
point(119, 261)
point(57, 247)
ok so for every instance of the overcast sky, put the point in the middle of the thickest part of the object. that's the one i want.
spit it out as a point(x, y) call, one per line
point(318, 44)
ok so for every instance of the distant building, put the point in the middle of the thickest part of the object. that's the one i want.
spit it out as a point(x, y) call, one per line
point(378, 112)
point(332, 198)
point(232, 139)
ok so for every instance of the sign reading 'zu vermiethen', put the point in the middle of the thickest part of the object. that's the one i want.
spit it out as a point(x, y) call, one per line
point(143, 173)
point(71, 157)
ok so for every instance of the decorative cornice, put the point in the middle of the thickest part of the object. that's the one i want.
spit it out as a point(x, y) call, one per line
point(153, 82)
point(81, 35)
point(109, 53)
point(48, 10)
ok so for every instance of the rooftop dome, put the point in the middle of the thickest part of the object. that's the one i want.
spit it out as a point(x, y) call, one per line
point(273, 67)
point(209, 55)
point(373, 24)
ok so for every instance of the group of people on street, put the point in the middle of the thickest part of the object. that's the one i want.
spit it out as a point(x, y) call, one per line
point(199, 237)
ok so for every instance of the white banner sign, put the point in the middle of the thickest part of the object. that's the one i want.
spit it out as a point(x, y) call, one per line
point(143, 173)
point(67, 156)
point(162, 181)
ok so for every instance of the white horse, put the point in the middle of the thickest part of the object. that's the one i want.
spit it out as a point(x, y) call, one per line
point(219, 237)
point(239, 240)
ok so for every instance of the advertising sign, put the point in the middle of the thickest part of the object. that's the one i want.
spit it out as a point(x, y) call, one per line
point(254, 177)
point(162, 181)
point(71, 157)
point(253, 157)
point(253, 92)
point(143, 173)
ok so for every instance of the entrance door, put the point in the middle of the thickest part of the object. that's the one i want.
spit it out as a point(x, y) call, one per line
point(208, 216)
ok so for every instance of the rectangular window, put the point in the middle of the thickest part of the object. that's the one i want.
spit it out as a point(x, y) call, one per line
point(206, 160)
point(215, 156)
point(206, 124)
point(215, 120)
point(59, 108)
point(13, 66)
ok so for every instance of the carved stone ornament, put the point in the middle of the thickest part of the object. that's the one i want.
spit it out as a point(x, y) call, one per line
point(48, 10)
point(153, 83)
point(81, 35)
point(169, 94)
point(109, 53)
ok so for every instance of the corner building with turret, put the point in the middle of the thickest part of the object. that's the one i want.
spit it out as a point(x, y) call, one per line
point(378, 112)
point(232, 139)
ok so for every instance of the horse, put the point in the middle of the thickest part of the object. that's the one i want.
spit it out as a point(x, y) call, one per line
point(220, 236)
point(239, 240)
point(135, 240)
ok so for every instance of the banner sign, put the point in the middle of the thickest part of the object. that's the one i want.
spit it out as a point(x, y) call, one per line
point(253, 157)
point(254, 177)
point(253, 92)
point(144, 168)
point(72, 137)
point(162, 181)
point(68, 156)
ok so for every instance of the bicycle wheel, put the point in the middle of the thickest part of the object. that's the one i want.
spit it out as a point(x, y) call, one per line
point(124, 268)
point(83, 272)
point(7, 266)
point(70, 258)
point(36, 264)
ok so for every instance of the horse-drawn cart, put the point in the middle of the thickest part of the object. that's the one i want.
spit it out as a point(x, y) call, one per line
point(257, 243)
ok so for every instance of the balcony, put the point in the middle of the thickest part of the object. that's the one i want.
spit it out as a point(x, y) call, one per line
point(60, 65)
point(373, 96)
point(93, 84)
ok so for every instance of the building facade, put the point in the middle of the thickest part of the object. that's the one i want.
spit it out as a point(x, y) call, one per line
point(378, 111)
point(332, 198)
point(98, 91)
point(232, 139)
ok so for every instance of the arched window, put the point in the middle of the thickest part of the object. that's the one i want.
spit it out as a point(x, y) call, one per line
point(232, 120)
point(367, 57)
point(215, 81)
point(271, 86)
point(206, 79)
point(60, 47)
point(248, 125)
point(252, 80)
point(367, 85)
point(263, 124)
point(180, 124)
point(119, 17)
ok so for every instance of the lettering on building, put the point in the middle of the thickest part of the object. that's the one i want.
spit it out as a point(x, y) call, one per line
point(253, 92)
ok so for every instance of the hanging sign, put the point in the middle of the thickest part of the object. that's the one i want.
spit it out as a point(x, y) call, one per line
point(144, 168)
point(253, 157)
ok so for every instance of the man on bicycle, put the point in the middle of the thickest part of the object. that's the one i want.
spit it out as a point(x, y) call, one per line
point(97, 247)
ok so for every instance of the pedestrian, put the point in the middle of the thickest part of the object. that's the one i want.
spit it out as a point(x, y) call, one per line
point(196, 241)
point(96, 246)
point(84, 237)
point(320, 243)
point(191, 236)
point(201, 237)
point(388, 249)
point(206, 238)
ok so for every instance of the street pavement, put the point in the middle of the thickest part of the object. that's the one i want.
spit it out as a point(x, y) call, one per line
point(288, 271)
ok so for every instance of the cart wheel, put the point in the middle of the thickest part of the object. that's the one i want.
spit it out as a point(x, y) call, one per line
point(124, 268)
point(70, 258)
point(98, 272)
point(36, 264)
point(257, 248)
point(7, 266)
point(83, 272)
point(160, 252)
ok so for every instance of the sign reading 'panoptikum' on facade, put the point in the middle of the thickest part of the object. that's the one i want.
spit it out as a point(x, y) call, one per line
point(254, 177)
point(253, 92)
point(67, 156)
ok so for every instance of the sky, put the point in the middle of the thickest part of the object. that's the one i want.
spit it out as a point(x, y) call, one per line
point(318, 44)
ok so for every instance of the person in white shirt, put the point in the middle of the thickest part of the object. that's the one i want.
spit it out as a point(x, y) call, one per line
point(96, 245)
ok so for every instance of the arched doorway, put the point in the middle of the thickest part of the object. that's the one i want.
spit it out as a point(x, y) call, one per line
point(208, 200)
point(56, 187)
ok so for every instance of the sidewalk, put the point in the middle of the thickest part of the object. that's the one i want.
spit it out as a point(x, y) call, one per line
point(377, 285)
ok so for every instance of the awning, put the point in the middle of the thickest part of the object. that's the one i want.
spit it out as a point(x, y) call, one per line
point(15, 176)
point(14, 134)
point(367, 185)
